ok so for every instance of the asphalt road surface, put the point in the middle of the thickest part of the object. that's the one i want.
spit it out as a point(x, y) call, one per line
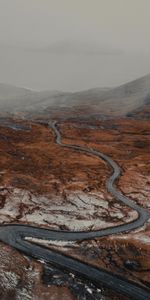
point(15, 234)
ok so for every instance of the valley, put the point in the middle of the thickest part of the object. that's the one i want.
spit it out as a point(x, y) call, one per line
point(74, 194)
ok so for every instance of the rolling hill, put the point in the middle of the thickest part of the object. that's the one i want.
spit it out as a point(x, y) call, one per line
point(119, 101)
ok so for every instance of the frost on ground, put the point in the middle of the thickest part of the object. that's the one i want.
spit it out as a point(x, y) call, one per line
point(16, 278)
point(21, 279)
point(51, 242)
point(139, 189)
point(73, 211)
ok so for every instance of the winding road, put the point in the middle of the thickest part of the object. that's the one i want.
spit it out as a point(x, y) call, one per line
point(15, 234)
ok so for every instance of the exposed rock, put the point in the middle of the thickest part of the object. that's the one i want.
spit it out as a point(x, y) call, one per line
point(49, 186)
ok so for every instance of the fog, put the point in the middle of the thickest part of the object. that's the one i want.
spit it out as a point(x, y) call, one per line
point(73, 44)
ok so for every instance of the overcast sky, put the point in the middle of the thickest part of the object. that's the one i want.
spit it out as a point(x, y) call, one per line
point(118, 23)
point(120, 26)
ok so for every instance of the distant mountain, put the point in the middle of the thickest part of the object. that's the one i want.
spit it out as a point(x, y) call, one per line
point(14, 99)
point(11, 96)
point(9, 91)
point(125, 98)
point(119, 101)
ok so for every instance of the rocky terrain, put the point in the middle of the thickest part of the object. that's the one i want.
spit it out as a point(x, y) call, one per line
point(49, 186)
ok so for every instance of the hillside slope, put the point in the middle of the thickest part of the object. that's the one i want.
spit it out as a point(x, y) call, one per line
point(118, 101)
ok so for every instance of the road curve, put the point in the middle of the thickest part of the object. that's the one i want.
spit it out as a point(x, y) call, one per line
point(15, 234)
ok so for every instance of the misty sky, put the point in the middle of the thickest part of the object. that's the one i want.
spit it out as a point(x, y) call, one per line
point(73, 44)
